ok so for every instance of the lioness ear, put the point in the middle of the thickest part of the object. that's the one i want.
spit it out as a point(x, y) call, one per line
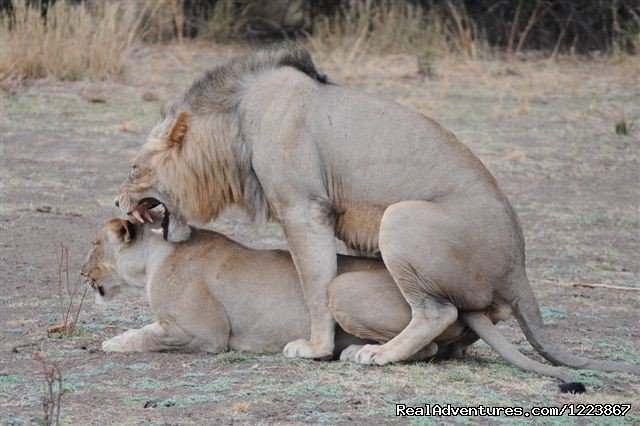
point(178, 129)
point(123, 230)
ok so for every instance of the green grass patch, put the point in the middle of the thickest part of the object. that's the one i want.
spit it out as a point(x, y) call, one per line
point(140, 366)
point(549, 312)
point(147, 383)
point(188, 400)
point(233, 356)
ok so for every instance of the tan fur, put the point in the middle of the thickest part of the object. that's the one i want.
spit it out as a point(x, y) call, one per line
point(197, 299)
point(195, 161)
point(269, 133)
point(359, 226)
point(238, 298)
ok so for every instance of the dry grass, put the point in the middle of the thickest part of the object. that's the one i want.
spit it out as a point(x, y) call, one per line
point(364, 27)
point(70, 43)
point(224, 23)
point(161, 20)
point(71, 307)
point(165, 21)
point(52, 392)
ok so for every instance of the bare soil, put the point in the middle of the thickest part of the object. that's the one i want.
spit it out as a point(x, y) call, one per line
point(546, 131)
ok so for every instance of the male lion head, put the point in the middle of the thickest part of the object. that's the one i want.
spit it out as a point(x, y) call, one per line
point(110, 255)
point(154, 172)
point(186, 166)
point(195, 162)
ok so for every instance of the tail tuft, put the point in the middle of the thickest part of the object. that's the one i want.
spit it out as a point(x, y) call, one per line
point(322, 78)
point(572, 387)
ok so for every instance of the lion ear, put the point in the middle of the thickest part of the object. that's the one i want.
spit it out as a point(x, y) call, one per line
point(178, 129)
point(122, 229)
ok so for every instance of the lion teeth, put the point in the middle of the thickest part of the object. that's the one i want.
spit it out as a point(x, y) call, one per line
point(147, 216)
point(137, 215)
point(157, 231)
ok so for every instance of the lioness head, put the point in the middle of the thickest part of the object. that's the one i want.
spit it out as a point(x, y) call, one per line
point(154, 172)
point(111, 262)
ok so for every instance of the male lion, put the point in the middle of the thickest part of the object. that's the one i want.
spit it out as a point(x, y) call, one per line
point(214, 294)
point(269, 133)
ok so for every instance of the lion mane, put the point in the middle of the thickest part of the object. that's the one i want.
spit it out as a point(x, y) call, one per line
point(212, 168)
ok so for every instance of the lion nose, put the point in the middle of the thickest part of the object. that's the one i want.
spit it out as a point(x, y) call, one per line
point(117, 203)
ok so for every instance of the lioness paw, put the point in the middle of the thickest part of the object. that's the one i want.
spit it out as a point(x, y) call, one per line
point(349, 354)
point(305, 349)
point(373, 354)
point(113, 345)
point(118, 344)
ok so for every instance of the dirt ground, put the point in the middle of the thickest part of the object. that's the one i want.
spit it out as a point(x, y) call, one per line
point(546, 131)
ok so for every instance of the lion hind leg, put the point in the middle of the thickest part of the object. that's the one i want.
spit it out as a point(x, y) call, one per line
point(428, 352)
point(426, 324)
point(417, 239)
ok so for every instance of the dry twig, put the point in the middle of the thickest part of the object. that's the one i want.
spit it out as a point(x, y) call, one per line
point(586, 285)
point(537, 14)
point(68, 317)
point(52, 393)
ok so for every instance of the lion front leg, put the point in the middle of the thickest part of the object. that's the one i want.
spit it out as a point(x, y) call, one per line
point(159, 336)
point(313, 248)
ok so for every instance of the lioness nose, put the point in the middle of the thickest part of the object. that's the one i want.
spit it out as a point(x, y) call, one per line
point(116, 202)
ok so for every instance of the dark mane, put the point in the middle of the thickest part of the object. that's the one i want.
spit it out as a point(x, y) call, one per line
point(215, 90)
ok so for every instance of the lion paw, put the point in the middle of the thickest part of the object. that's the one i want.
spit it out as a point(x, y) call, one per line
point(113, 345)
point(373, 354)
point(305, 349)
point(349, 353)
point(119, 343)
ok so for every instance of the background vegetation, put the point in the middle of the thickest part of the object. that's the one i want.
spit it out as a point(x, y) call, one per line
point(544, 92)
point(73, 39)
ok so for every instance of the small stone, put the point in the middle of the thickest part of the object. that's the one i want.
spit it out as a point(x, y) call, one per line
point(149, 97)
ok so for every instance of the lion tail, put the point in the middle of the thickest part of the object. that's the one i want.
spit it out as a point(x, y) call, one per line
point(484, 328)
point(527, 312)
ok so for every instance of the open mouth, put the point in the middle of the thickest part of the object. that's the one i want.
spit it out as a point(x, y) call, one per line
point(93, 283)
point(141, 210)
point(99, 289)
point(146, 209)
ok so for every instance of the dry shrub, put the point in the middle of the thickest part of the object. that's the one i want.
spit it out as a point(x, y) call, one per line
point(52, 392)
point(70, 306)
point(366, 26)
point(166, 20)
point(71, 42)
point(223, 24)
point(160, 20)
point(464, 36)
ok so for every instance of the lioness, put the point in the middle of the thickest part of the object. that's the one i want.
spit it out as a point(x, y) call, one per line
point(214, 294)
point(269, 133)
